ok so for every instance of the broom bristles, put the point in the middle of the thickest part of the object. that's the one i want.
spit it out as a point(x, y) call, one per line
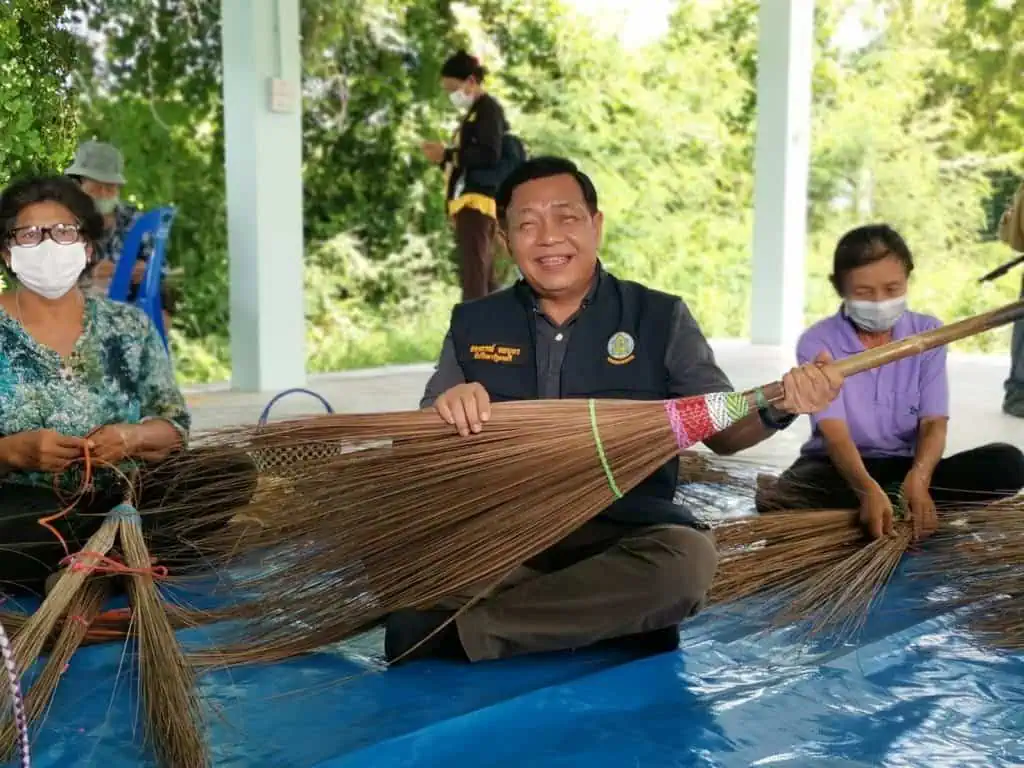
point(84, 607)
point(362, 535)
point(173, 721)
point(777, 551)
point(36, 631)
point(983, 546)
point(420, 514)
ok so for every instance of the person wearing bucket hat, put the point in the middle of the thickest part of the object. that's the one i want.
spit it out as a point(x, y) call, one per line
point(99, 169)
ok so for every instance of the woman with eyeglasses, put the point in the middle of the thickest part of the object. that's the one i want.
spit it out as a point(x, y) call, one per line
point(78, 375)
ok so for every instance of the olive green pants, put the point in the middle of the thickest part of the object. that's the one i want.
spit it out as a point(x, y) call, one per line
point(604, 580)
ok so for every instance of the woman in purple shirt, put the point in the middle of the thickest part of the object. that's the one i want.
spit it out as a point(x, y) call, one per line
point(884, 436)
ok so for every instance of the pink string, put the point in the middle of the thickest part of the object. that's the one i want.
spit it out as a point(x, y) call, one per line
point(675, 421)
point(95, 562)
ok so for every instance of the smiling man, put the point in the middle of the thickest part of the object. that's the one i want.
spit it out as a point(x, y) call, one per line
point(569, 329)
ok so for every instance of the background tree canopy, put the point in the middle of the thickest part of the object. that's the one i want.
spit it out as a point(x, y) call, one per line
point(921, 126)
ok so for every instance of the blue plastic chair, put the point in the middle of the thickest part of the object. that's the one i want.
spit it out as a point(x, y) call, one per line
point(157, 224)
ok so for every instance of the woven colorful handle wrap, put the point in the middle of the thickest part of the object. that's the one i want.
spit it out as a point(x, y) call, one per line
point(17, 702)
point(695, 419)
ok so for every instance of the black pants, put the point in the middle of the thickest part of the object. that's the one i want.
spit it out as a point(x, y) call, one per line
point(978, 476)
point(177, 487)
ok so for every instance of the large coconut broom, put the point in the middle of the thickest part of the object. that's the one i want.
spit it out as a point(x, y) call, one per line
point(405, 513)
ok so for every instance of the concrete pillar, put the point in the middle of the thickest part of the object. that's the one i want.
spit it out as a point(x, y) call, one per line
point(785, 47)
point(263, 137)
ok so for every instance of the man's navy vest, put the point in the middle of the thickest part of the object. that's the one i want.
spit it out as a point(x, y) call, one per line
point(495, 342)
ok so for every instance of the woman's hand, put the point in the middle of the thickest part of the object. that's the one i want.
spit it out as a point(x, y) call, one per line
point(114, 443)
point(433, 151)
point(920, 504)
point(41, 450)
point(876, 511)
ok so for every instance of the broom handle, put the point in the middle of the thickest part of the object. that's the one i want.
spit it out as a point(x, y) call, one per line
point(912, 345)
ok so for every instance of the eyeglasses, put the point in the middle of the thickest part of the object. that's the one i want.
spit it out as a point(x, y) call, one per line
point(30, 237)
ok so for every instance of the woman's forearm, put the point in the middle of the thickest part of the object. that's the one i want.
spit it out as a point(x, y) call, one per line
point(5, 468)
point(931, 444)
point(845, 456)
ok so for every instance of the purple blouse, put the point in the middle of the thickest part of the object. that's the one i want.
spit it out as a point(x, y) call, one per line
point(881, 407)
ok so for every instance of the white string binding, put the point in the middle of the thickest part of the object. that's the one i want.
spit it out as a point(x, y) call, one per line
point(17, 702)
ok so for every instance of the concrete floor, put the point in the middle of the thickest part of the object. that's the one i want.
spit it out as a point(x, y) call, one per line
point(976, 393)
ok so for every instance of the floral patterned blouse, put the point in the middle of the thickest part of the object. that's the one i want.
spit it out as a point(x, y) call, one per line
point(118, 373)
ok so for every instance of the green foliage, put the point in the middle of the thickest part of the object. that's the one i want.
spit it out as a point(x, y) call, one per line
point(37, 123)
point(981, 68)
point(887, 148)
point(372, 68)
point(919, 128)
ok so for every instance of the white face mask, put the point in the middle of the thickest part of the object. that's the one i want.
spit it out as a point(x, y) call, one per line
point(876, 316)
point(461, 99)
point(106, 205)
point(49, 269)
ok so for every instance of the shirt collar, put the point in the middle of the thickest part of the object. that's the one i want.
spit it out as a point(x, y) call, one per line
point(595, 283)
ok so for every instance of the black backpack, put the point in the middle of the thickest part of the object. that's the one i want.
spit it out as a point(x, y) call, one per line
point(513, 154)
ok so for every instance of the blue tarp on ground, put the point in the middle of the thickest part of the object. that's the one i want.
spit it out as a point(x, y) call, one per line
point(914, 690)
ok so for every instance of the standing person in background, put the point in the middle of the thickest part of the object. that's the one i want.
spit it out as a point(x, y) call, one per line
point(1011, 232)
point(472, 165)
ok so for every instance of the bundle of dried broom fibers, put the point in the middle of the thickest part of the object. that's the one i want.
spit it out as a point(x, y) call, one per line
point(982, 548)
point(781, 550)
point(708, 485)
point(37, 631)
point(410, 513)
point(173, 720)
point(839, 598)
point(980, 545)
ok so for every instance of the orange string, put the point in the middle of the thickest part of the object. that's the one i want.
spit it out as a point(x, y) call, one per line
point(83, 489)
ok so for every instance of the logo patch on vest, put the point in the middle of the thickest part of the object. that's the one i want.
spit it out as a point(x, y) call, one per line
point(620, 348)
point(495, 353)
